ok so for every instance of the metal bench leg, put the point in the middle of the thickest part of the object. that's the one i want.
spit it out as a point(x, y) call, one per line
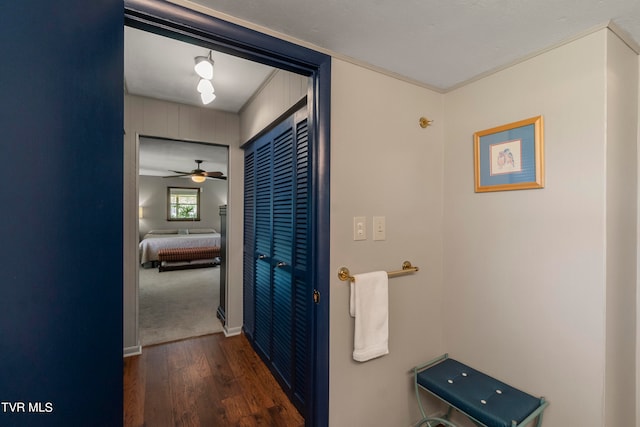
point(415, 383)
point(436, 421)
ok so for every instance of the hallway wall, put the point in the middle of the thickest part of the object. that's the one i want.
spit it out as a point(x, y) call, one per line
point(532, 274)
point(384, 164)
point(152, 117)
point(281, 91)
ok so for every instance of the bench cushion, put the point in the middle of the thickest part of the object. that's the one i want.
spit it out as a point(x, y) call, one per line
point(188, 254)
point(480, 396)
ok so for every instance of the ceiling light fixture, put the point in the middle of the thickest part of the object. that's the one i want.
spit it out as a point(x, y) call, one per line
point(204, 66)
point(198, 178)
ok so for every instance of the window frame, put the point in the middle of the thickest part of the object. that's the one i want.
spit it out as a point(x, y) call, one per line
point(197, 191)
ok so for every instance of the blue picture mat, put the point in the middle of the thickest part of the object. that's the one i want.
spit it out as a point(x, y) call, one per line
point(526, 134)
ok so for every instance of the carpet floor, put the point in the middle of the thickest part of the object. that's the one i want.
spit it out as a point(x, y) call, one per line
point(179, 304)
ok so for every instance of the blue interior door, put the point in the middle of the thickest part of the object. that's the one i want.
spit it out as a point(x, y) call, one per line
point(277, 224)
point(61, 119)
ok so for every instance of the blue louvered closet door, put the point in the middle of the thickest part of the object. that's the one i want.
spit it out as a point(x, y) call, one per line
point(277, 289)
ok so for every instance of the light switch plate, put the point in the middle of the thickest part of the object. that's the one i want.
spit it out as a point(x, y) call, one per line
point(379, 228)
point(359, 228)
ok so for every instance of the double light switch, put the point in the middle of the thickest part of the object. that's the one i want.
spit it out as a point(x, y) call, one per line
point(360, 228)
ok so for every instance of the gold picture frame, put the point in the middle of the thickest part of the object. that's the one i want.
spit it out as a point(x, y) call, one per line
point(510, 157)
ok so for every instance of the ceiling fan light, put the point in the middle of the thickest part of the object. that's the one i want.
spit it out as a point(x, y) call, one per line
point(207, 97)
point(198, 178)
point(204, 66)
point(205, 86)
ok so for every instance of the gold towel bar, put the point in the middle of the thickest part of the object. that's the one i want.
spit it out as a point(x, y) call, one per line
point(345, 275)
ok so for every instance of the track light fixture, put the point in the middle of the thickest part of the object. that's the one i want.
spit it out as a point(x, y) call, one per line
point(204, 68)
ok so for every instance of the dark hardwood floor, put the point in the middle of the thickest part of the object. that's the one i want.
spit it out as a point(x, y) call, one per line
point(207, 381)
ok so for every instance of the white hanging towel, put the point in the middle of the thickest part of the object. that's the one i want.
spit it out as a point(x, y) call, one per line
point(369, 305)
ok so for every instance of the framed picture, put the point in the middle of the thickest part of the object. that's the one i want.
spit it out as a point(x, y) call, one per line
point(509, 157)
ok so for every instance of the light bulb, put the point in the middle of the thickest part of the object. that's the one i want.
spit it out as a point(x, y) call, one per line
point(205, 86)
point(207, 97)
point(204, 67)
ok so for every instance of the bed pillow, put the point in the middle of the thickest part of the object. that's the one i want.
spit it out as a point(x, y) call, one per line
point(201, 230)
point(174, 231)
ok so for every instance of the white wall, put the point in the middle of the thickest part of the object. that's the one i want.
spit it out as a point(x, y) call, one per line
point(281, 91)
point(151, 117)
point(384, 164)
point(525, 272)
point(622, 191)
point(153, 199)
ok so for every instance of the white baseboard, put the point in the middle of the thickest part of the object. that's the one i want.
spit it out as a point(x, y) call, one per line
point(132, 351)
point(232, 331)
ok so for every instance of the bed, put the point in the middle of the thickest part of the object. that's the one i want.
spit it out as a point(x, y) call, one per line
point(156, 240)
point(483, 399)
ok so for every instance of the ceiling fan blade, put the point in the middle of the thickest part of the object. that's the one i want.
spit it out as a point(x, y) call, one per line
point(197, 172)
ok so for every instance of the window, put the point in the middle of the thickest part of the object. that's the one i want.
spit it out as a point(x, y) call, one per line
point(183, 204)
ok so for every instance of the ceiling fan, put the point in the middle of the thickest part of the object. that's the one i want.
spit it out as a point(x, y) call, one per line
point(198, 175)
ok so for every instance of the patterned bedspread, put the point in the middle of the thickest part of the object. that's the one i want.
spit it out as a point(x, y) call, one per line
point(151, 244)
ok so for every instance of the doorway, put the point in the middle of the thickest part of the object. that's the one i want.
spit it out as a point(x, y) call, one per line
point(178, 300)
point(175, 21)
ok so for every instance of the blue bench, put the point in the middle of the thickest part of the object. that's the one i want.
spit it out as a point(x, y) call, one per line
point(485, 400)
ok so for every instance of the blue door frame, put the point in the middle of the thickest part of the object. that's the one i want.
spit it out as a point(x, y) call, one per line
point(178, 22)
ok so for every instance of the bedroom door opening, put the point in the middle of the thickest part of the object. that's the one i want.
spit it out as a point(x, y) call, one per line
point(179, 218)
point(177, 22)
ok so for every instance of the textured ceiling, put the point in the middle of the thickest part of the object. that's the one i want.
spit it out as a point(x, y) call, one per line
point(440, 43)
point(162, 68)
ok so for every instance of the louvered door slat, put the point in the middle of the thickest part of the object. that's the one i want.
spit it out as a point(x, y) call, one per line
point(282, 249)
point(249, 245)
point(302, 300)
point(263, 293)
